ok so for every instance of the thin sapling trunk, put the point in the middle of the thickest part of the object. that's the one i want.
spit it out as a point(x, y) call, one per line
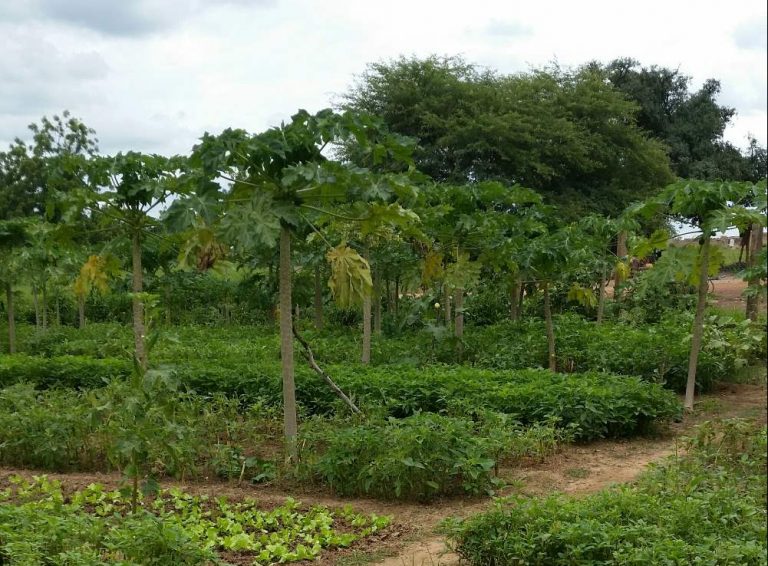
point(552, 356)
point(137, 303)
point(11, 318)
point(318, 301)
point(290, 423)
point(698, 322)
point(601, 298)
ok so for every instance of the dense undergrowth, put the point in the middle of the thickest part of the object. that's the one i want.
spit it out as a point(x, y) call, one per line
point(487, 417)
point(235, 356)
point(705, 507)
point(210, 406)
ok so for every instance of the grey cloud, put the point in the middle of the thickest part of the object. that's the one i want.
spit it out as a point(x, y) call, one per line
point(507, 29)
point(112, 18)
point(121, 18)
point(751, 35)
point(37, 78)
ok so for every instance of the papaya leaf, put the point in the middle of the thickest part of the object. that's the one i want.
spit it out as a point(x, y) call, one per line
point(350, 280)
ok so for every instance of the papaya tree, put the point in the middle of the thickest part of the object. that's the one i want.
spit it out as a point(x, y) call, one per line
point(598, 233)
point(548, 259)
point(708, 207)
point(261, 190)
point(13, 238)
point(122, 192)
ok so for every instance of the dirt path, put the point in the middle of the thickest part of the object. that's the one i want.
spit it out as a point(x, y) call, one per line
point(727, 292)
point(584, 469)
point(412, 541)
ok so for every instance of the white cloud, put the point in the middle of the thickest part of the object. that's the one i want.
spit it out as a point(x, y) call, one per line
point(186, 66)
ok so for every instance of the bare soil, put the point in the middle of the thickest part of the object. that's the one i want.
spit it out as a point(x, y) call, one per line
point(411, 539)
point(727, 292)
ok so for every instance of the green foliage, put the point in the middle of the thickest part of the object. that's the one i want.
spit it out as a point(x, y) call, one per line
point(705, 507)
point(61, 371)
point(50, 431)
point(93, 526)
point(181, 435)
point(479, 125)
point(419, 457)
point(690, 124)
point(139, 417)
point(655, 352)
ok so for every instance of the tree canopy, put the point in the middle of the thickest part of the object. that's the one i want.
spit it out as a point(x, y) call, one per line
point(568, 134)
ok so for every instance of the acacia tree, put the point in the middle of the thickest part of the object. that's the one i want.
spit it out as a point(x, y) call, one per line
point(709, 207)
point(278, 182)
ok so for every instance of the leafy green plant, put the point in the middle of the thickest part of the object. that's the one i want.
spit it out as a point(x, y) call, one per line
point(96, 526)
point(705, 507)
point(420, 457)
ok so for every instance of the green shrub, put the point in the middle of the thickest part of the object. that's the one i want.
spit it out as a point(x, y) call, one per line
point(61, 371)
point(178, 434)
point(419, 457)
point(707, 507)
point(656, 352)
point(51, 430)
point(595, 404)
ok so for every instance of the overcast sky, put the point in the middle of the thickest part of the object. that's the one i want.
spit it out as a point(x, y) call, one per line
point(153, 75)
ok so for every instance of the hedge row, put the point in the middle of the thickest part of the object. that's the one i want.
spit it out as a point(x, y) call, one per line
point(598, 404)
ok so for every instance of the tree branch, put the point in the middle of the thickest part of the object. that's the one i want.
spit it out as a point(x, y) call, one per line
point(307, 353)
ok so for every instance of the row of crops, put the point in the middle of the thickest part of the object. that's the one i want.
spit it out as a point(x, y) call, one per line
point(211, 407)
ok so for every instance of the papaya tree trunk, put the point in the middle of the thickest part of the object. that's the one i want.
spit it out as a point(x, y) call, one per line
point(601, 298)
point(11, 318)
point(458, 329)
point(756, 243)
point(458, 304)
point(514, 300)
point(36, 304)
point(377, 303)
point(366, 355)
point(447, 305)
point(290, 424)
point(137, 304)
point(621, 252)
point(698, 323)
point(168, 314)
point(44, 305)
point(318, 300)
point(552, 356)
point(81, 311)
point(397, 294)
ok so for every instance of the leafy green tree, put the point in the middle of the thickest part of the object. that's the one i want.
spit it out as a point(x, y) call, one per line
point(566, 134)
point(547, 259)
point(708, 206)
point(31, 173)
point(278, 182)
point(121, 193)
point(13, 238)
point(690, 124)
point(598, 236)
